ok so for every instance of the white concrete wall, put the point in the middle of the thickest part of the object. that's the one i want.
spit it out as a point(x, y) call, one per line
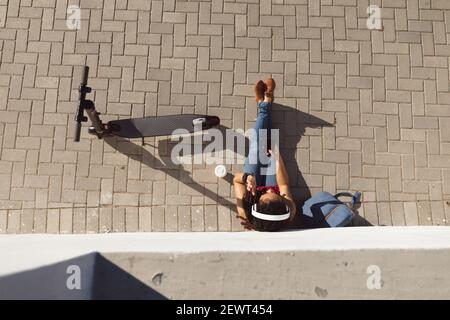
point(326, 263)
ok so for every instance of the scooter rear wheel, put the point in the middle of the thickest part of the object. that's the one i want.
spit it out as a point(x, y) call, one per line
point(212, 121)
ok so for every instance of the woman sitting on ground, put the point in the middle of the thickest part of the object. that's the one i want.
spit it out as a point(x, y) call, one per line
point(264, 201)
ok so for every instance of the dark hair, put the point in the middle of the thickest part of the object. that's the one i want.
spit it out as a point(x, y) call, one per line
point(275, 207)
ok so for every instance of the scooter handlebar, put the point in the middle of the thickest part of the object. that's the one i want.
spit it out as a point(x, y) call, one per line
point(77, 132)
point(84, 76)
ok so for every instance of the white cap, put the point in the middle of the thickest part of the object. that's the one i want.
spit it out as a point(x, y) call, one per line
point(220, 171)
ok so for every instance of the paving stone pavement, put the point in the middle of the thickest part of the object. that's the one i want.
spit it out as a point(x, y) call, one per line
point(358, 109)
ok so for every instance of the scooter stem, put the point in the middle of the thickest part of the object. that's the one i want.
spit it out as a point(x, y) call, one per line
point(88, 105)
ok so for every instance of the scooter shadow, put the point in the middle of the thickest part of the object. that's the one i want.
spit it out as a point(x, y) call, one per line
point(164, 164)
point(238, 149)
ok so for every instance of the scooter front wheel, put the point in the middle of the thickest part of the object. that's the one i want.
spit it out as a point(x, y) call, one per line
point(99, 135)
point(92, 131)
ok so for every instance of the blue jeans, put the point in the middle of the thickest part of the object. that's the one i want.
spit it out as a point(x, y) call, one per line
point(261, 166)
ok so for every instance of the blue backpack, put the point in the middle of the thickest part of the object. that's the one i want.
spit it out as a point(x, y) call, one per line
point(325, 210)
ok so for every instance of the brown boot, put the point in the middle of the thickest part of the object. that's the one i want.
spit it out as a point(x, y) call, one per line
point(270, 87)
point(260, 88)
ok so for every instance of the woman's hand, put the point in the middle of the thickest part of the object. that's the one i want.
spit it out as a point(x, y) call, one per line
point(245, 223)
point(251, 184)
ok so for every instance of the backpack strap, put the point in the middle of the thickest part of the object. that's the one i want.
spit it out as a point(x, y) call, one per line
point(356, 198)
point(332, 211)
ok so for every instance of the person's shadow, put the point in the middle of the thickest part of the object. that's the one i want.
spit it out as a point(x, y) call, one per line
point(292, 125)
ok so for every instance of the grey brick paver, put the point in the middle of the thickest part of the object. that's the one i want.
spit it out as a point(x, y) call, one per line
point(118, 220)
point(13, 221)
point(79, 220)
point(132, 219)
point(92, 220)
point(158, 219)
point(3, 221)
point(53, 219)
point(66, 218)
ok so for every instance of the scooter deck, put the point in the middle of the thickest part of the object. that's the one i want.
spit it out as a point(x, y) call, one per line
point(159, 126)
